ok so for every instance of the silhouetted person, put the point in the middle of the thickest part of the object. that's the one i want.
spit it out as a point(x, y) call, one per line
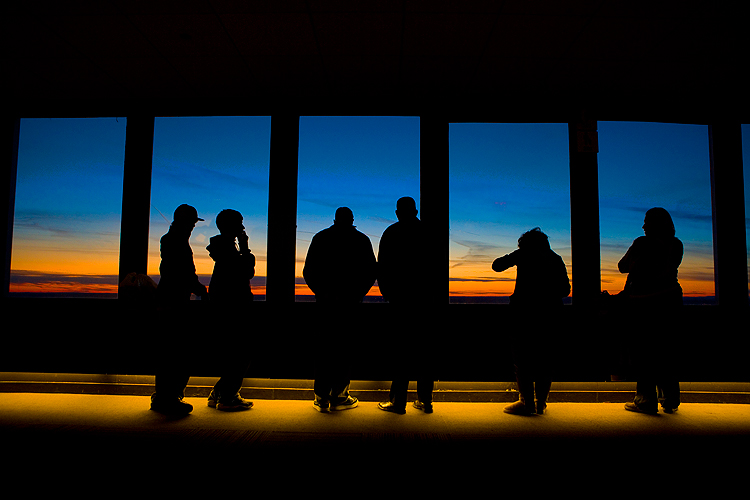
point(178, 279)
point(231, 298)
point(340, 270)
point(177, 283)
point(541, 285)
point(340, 263)
point(651, 296)
point(400, 278)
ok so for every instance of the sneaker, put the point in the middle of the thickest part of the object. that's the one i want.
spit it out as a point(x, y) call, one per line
point(237, 403)
point(347, 404)
point(518, 408)
point(389, 406)
point(425, 407)
point(667, 409)
point(174, 407)
point(634, 407)
point(213, 399)
point(322, 405)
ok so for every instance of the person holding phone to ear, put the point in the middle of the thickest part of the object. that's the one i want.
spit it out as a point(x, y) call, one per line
point(231, 299)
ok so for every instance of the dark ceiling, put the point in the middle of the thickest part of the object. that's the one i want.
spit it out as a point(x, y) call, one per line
point(637, 59)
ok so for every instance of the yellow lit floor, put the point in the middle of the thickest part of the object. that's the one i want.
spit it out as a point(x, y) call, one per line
point(289, 444)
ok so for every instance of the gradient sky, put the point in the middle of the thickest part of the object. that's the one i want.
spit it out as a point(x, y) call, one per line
point(66, 231)
point(505, 179)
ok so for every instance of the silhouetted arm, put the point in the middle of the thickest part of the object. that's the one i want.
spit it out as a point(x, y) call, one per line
point(624, 264)
point(312, 264)
point(505, 262)
point(246, 258)
point(368, 271)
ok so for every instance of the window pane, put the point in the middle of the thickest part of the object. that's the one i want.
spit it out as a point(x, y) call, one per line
point(505, 179)
point(66, 232)
point(364, 163)
point(645, 165)
point(211, 163)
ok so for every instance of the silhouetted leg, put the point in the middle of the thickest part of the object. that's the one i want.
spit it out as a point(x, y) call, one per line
point(645, 394)
point(645, 389)
point(543, 363)
point(172, 373)
point(171, 384)
point(229, 385)
point(668, 392)
point(231, 345)
point(397, 394)
point(339, 390)
point(424, 390)
point(542, 387)
point(525, 385)
point(526, 392)
point(322, 389)
point(668, 387)
point(524, 376)
point(645, 335)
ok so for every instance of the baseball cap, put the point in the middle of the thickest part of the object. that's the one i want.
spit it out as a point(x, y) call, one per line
point(186, 213)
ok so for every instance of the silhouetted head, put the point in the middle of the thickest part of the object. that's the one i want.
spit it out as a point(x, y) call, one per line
point(406, 208)
point(658, 222)
point(229, 222)
point(534, 240)
point(186, 215)
point(344, 217)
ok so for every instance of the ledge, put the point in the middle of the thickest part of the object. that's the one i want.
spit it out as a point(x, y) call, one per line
point(365, 390)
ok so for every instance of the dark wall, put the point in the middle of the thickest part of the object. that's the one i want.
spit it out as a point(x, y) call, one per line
point(469, 342)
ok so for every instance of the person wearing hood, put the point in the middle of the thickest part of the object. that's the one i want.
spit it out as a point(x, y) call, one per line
point(231, 300)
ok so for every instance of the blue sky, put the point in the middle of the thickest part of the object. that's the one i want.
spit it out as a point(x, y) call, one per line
point(505, 179)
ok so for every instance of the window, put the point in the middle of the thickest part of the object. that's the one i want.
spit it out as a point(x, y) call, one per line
point(505, 179)
point(364, 163)
point(211, 163)
point(66, 232)
point(645, 165)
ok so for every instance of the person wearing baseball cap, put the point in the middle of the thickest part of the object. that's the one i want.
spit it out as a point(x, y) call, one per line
point(177, 283)
point(186, 214)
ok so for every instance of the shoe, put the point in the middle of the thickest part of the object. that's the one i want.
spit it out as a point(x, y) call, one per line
point(389, 406)
point(237, 403)
point(173, 407)
point(667, 409)
point(518, 408)
point(425, 407)
point(347, 404)
point(634, 407)
point(322, 405)
point(213, 399)
point(541, 408)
